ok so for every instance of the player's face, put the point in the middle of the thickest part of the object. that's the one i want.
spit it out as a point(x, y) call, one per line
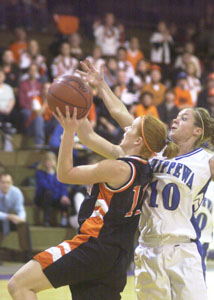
point(183, 127)
point(131, 133)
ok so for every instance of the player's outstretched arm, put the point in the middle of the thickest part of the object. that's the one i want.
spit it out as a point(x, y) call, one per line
point(96, 143)
point(116, 173)
point(114, 105)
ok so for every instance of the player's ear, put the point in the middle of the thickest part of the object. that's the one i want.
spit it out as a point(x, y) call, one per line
point(138, 141)
point(198, 131)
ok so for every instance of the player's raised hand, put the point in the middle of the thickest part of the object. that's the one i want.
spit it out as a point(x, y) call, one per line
point(90, 74)
point(68, 122)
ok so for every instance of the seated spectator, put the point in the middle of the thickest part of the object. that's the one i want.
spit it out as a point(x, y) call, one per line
point(185, 58)
point(183, 98)
point(193, 83)
point(155, 86)
point(7, 111)
point(30, 56)
point(28, 89)
point(110, 71)
point(75, 41)
point(145, 106)
point(10, 69)
point(124, 64)
point(13, 214)
point(20, 43)
point(168, 110)
point(134, 54)
point(143, 72)
point(41, 122)
point(202, 96)
point(190, 48)
point(7, 99)
point(50, 193)
point(126, 91)
point(107, 36)
point(96, 58)
point(64, 63)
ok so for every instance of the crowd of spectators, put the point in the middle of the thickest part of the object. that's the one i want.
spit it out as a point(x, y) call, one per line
point(169, 77)
point(167, 74)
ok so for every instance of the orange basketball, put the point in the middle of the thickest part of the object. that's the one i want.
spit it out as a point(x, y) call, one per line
point(72, 91)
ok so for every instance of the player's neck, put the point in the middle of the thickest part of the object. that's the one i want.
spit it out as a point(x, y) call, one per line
point(185, 148)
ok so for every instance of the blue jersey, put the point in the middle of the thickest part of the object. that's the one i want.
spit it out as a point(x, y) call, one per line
point(205, 215)
point(175, 193)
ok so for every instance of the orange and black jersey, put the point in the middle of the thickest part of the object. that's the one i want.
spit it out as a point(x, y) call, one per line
point(98, 256)
point(112, 215)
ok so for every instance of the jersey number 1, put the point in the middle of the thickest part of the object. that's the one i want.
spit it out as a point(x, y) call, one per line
point(137, 194)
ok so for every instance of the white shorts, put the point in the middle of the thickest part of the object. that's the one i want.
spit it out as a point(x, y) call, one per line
point(169, 272)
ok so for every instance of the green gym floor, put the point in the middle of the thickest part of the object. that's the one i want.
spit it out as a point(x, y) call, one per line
point(7, 269)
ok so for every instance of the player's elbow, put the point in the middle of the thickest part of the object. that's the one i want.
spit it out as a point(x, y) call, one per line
point(60, 177)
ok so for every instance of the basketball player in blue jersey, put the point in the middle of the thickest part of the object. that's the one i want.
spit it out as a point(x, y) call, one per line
point(168, 258)
point(205, 218)
point(94, 262)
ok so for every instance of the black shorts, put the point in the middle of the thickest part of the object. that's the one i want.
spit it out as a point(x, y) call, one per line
point(92, 267)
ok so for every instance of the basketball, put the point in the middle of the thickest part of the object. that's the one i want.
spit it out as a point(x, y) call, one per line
point(72, 91)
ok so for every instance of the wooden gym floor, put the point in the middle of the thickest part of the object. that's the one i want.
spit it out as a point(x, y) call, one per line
point(63, 293)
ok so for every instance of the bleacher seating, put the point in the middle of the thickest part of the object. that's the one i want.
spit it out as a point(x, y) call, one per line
point(21, 165)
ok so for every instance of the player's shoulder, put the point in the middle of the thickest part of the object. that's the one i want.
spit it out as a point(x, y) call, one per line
point(199, 154)
point(134, 159)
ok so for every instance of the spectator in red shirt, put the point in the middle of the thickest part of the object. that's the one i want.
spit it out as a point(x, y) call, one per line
point(28, 89)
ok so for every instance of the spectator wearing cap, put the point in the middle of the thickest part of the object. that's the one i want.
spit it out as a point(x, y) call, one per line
point(155, 87)
point(210, 101)
point(183, 98)
point(202, 96)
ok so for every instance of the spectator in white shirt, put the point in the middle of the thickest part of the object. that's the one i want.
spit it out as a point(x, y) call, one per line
point(96, 58)
point(107, 35)
point(64, 63)
point(193, 83)
point(30, 56)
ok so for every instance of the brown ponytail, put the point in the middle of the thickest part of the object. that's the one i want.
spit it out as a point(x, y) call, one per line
point(171, 150)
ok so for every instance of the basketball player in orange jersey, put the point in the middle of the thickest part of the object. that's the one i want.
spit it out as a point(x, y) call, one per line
point(94, 262)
